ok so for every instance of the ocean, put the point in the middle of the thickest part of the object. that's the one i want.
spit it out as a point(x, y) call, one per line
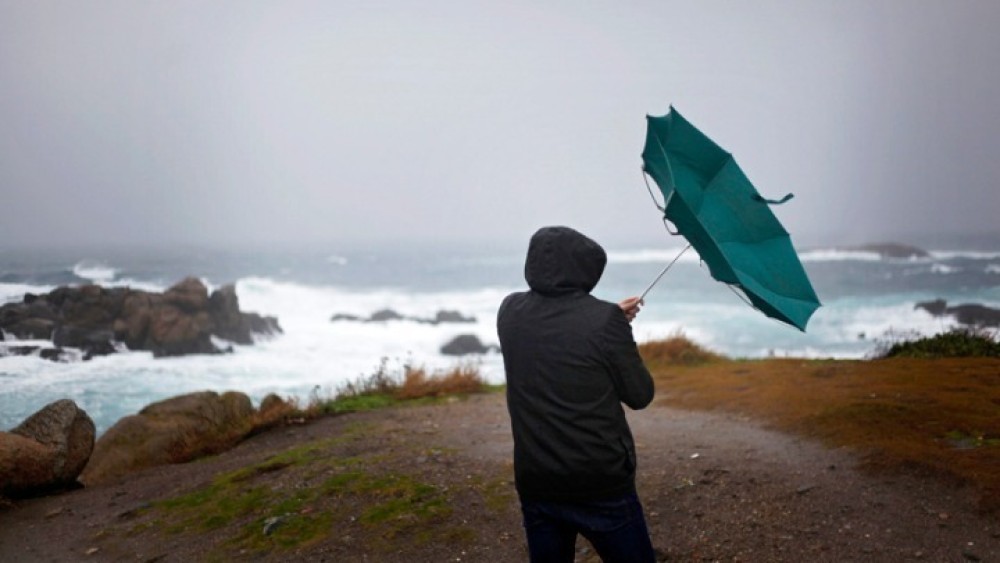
point(866, 300)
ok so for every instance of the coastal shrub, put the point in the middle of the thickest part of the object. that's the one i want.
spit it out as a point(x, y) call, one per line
point(676, 349)
point(956, 343)
point(384, 387)
point(461, 379)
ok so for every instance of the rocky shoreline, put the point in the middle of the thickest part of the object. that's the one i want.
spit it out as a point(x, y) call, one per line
point(98, 321)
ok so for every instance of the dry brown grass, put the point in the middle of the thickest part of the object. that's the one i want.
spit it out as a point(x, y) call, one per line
point(459, 380)
point(385, 387)
point(940, 416)
point(677, 349)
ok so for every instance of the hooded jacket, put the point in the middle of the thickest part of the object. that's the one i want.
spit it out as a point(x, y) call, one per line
point(570, 361)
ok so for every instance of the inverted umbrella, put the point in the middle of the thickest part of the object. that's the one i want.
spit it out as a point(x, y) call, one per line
point(714, 206)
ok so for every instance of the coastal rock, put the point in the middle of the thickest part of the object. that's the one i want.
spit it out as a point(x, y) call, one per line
point(26, 466)
point(93, 342)
point(466, 344)
point(46, 451)
point(892, 250)
point(189, 295)
point(260, 324)
point(385, 315)
point(345, 317)
point(969, 314)
point(181, 320)
point(230, 324)
point(46, 353)
point(936, 307)
point(30, 328)
point(67, 428)
point(175, 430)
point(382, 315)
point(445, 316)
point(172, 332)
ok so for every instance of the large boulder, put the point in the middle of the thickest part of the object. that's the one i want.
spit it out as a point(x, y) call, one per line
point(172, 431)
point(46, 451)
point(26, 466)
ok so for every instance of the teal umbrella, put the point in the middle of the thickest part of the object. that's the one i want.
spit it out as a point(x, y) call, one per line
point(715, 207)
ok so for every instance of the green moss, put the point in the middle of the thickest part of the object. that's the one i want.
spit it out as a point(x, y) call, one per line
point(388, 504)
point(358, 403)
point(401, 497)
point(498, 495)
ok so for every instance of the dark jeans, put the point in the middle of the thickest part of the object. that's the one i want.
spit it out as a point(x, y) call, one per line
point(616, 528)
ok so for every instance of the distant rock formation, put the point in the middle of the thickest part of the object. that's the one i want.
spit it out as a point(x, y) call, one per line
point(181, 320)
point(175, 430)
point(969, 314)
point(464, 344)
point(383, 315)
point(47, 451)
point(891, 250)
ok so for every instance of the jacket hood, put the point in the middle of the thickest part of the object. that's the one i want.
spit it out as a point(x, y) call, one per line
point(562, 260)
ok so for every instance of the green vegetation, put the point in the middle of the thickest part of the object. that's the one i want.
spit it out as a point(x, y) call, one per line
point(956, 343)
point(302, 496)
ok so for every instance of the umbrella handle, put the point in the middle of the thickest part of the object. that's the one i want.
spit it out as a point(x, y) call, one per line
point(664, 271)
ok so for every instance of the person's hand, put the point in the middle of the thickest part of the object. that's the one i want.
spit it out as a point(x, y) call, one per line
point(630, 306)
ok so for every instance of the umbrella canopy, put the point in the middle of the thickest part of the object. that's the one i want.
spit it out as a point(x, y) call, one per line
point(716, 208)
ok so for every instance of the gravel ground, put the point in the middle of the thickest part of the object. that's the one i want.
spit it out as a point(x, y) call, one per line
point(715, 487)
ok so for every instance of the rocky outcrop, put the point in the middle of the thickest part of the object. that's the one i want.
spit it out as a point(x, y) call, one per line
point(44, 352)
point(172, 431)
point(383, 315)
point(181, 320)
point(47, 451)
point(464, 344)
point(232, 324)
point(969, 314)
point(892, 250)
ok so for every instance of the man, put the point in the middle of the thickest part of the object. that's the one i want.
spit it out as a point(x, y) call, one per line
point(571, 362)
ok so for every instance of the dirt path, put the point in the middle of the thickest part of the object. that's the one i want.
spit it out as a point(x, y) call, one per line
point(715, 488)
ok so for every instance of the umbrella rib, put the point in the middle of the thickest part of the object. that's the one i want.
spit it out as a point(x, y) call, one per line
point(653, 197)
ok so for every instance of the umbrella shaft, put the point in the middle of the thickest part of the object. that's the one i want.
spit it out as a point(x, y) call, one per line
point(662, 273)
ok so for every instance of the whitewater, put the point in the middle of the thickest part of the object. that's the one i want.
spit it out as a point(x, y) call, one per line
point(866, 301)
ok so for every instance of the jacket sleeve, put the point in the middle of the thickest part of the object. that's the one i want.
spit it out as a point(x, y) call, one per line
point(631, 378)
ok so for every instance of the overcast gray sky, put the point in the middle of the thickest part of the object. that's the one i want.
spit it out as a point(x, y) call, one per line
point(126, 121)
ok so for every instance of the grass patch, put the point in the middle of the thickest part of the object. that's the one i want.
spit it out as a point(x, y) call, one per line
point(302, 497)
point(938, 415)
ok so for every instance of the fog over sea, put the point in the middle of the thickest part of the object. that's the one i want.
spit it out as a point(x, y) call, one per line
point(864, 297)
